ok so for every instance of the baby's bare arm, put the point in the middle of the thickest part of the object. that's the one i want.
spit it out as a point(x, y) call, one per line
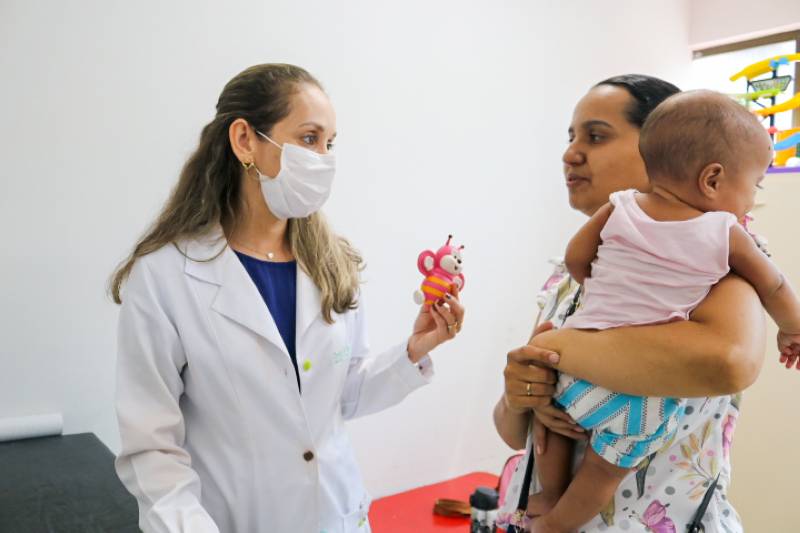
point(772, 287)
point(582, 249)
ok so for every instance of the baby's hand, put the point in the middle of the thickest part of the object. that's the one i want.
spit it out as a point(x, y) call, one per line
point(789, 346)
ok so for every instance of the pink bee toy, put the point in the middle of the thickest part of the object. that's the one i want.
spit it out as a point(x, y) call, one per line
point(441, 270)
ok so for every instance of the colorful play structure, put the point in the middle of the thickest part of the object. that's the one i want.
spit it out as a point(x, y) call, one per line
point(762, 97)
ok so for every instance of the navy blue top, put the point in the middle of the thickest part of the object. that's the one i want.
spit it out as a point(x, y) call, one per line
point(277, 283)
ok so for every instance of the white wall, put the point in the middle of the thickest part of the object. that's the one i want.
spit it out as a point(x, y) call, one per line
point(765, 472)
point(715, 22)
point(102, 101)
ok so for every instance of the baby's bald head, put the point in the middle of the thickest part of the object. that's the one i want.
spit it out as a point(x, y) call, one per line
point(693, 129)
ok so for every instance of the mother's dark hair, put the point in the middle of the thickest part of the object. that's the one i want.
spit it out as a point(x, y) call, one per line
point(647, 93)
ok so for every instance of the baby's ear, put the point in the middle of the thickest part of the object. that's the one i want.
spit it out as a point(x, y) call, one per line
point(710, 179)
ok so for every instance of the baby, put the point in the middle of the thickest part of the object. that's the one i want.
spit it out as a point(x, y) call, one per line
point(648, 258)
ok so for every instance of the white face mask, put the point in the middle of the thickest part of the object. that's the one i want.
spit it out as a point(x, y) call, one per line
point(303, 183)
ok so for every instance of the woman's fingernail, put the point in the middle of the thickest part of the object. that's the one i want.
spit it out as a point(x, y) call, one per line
point(538, 450)
point(554, 357)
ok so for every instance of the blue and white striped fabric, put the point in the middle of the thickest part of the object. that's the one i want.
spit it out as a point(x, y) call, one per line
point(625, 429)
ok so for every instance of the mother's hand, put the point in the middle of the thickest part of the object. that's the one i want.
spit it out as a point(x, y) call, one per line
point(527, 370)
point(529, 383)
point(435, 325)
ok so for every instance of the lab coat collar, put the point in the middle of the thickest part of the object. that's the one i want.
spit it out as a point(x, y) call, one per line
point(309, 302)
point(238, 298)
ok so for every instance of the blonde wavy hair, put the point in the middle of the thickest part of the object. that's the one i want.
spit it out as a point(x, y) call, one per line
point(208, 193)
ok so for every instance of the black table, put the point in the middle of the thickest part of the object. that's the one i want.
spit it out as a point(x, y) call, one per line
point(64, 484)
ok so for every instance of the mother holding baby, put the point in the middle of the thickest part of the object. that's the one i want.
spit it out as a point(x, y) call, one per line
point(707, 359)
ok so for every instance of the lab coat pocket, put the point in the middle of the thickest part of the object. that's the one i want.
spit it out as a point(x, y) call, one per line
point(357, 521)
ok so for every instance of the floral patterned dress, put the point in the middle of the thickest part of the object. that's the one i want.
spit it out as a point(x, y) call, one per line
point(665, 491)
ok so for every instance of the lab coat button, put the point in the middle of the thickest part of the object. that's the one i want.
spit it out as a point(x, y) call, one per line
point(308, 456)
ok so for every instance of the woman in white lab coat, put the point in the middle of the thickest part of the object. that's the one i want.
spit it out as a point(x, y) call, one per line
point(242, 343)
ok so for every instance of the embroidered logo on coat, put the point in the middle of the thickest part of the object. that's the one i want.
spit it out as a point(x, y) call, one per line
point(342, 355)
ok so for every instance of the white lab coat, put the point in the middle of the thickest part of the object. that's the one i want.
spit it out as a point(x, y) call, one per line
point(215, 434)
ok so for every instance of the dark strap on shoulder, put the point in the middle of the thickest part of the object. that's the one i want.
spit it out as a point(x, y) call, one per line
point(522, 505)
point(574, 305)
point(696, 525)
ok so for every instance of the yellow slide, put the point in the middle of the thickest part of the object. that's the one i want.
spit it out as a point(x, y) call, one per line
point(762, 67)
point(748, 97)
point(792, 103)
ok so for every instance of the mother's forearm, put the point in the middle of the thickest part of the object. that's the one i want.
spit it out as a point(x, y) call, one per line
point(511, 426)
point(719, 351)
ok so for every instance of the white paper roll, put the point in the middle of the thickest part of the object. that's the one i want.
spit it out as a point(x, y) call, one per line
point(26, 427)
